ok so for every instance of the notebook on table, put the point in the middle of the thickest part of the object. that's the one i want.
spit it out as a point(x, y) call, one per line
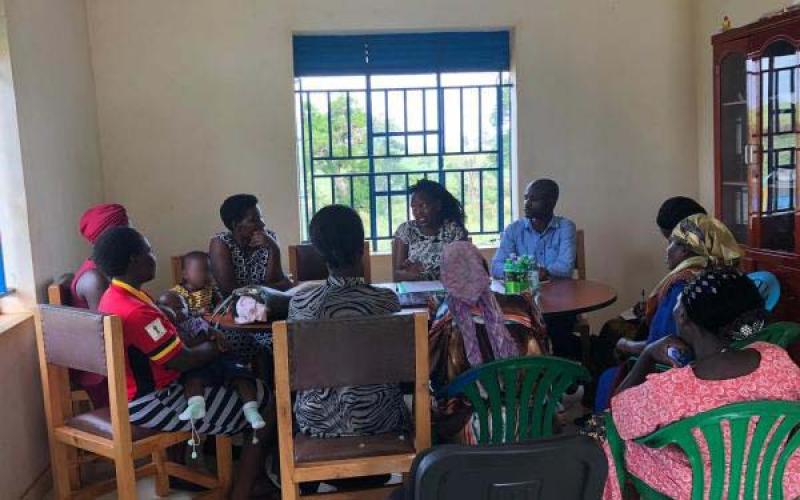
point(415, 293)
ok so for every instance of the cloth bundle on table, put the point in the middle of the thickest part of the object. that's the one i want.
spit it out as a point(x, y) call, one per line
point(249, 310)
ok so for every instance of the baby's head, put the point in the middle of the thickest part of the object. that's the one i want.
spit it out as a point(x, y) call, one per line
point(195, 270)
point(174, 306)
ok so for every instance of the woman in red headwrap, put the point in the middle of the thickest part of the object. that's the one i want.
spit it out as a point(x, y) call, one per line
point(89, 283)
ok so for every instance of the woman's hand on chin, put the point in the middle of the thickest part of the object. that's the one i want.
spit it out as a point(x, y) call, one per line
point(262, 239)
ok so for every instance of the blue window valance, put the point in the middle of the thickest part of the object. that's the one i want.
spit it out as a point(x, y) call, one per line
point(406, 53)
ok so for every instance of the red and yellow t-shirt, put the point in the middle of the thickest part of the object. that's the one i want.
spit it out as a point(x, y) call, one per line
point(151, 340)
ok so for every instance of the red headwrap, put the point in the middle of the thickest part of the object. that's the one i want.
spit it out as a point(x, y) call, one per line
point(101, 217)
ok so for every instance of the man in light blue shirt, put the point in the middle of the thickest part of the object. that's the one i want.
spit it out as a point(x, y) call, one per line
point(540, 234)
point(551, 240)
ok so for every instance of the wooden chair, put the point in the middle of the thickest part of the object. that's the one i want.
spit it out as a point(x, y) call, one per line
point(176, 264)
point(335, 353)
point(580, 255)
point(306, 264)
point(75, 338)
point(59, 293)
point(582, 326)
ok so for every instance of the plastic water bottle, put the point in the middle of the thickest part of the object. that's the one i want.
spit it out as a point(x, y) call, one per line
point(522, 273)
point(533, 277)
point(510, 275)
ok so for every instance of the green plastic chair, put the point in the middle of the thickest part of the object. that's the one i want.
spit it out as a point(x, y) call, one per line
point(519, 394)
point(782, 416)
point(783, 334)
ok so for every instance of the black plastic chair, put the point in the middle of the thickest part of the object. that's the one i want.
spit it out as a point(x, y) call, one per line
point(562, 468)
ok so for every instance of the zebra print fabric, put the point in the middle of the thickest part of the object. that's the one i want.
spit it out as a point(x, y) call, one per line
point(353, 410)
point(160, 409)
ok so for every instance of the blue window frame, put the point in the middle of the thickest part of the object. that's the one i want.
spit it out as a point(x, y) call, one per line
point(397, 111)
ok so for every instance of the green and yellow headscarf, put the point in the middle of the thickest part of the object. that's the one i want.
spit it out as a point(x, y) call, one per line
point(712, 244)
point(709, 239)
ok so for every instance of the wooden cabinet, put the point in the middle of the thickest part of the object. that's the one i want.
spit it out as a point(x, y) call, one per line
point(756, 141)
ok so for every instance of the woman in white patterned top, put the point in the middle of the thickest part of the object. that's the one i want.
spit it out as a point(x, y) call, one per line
point(248, 253)
point(438, 220)
point(338, 235)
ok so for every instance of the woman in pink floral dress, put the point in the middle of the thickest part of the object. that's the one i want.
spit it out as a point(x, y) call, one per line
point(717, 307)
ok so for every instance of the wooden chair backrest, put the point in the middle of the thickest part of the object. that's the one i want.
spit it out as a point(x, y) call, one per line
point(404, 350)
point(306, 264)
point(100, 349)
point(60, 290)
point(368, 350)
point(176, 264)
point(74, 338)
point(580, 255)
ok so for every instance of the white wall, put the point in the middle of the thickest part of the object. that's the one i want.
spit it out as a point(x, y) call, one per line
point(708, 20)
point(14, 231)
point(195, 101)
point(55, 103)
point(49, 173)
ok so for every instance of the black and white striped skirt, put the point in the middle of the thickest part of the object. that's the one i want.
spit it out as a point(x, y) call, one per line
point(160, 409)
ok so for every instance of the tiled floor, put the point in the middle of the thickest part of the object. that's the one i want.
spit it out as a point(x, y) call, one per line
point(146, 486)
point(147, 489)
point(103, 470)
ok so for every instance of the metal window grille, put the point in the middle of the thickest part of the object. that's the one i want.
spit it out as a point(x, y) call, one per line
point(362, 141)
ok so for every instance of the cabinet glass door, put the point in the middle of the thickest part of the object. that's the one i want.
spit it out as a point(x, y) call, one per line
point(733, 144)
point(778, 72)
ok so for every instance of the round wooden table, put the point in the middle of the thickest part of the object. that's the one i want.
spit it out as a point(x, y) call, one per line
point(570, 297)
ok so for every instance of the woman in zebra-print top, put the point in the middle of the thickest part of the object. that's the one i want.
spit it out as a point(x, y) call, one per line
point(338, 234)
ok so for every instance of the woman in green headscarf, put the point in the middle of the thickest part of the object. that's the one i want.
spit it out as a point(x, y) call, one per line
point(698, 242)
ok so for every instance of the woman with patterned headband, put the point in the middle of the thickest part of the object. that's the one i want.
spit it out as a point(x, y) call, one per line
point(717, 307)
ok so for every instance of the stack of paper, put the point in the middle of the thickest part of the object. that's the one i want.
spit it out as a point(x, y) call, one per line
point(420, 287)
